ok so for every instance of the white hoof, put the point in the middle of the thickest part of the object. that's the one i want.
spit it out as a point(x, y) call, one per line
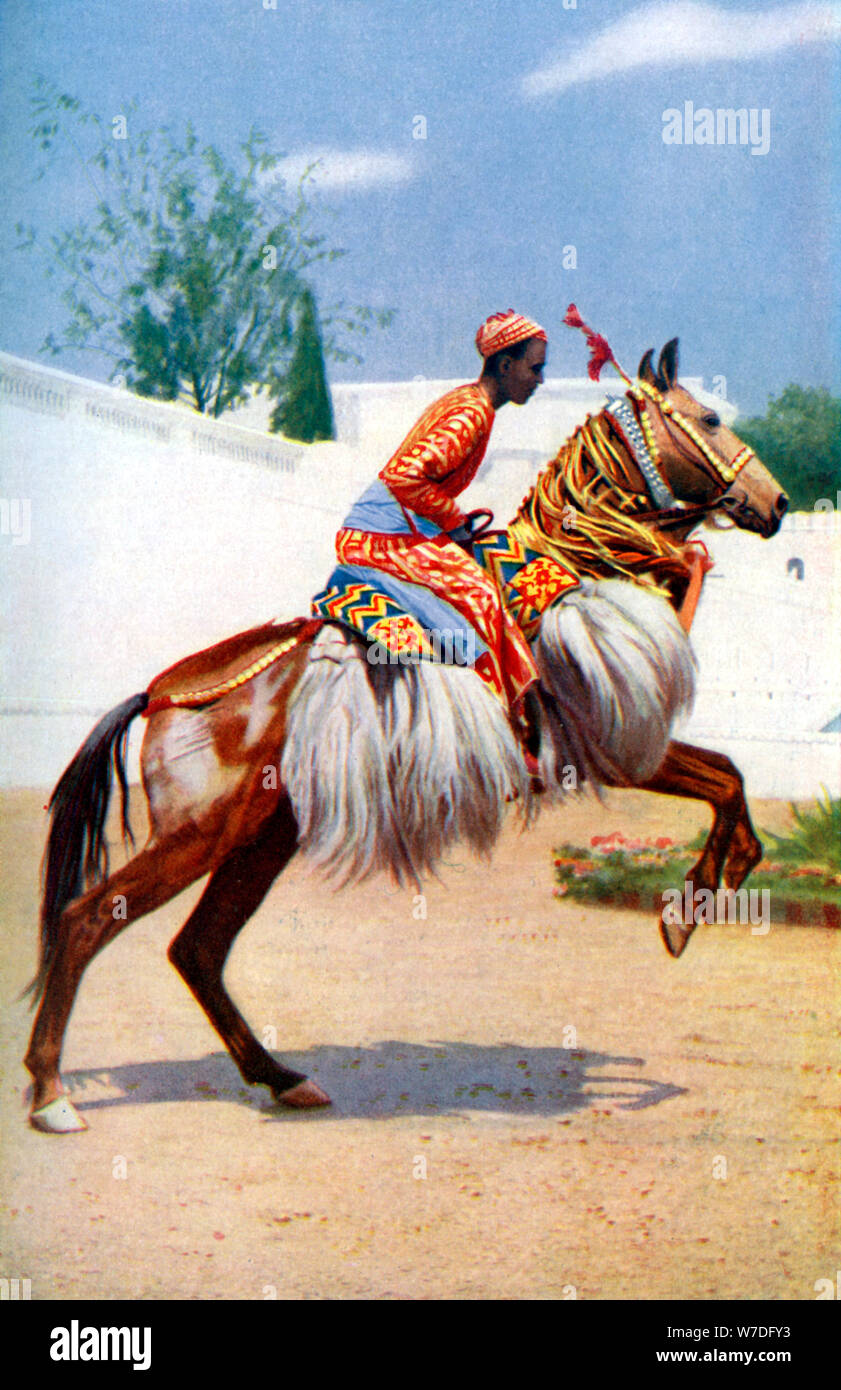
point(59, 1117)
point(305, 1096)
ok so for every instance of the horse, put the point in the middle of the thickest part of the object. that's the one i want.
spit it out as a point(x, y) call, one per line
point(287, 737)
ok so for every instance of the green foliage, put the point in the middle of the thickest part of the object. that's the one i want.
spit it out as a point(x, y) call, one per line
point(816, 838)
point(799, 440)
point(698, 842)
point(304, 411)
point(188, 274)
point(805, 874)
point(619, 874)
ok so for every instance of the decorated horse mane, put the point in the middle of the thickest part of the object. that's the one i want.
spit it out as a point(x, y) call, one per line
point(580, 515)
point(584, 509)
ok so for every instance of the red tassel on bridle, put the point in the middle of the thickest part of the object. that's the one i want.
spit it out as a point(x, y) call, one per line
point(600, 349)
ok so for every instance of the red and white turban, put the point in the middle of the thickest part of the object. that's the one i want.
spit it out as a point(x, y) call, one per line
point(503, 330)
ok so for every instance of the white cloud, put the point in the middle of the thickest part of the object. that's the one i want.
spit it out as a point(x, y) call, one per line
point(668, 35)
point(349, 171)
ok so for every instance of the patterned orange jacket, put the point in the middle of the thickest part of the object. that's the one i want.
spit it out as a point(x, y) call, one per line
point(441, 455)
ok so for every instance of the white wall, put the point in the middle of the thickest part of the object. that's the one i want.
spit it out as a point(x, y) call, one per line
point(155, 532)
point(374, 417)
point(769, 647)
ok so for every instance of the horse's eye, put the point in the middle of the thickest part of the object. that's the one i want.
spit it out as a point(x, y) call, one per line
point(712, 421)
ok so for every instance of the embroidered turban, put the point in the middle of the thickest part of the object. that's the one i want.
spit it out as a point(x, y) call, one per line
point(503, 330)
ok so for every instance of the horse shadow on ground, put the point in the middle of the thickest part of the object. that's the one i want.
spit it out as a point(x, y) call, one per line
point(389, 1079)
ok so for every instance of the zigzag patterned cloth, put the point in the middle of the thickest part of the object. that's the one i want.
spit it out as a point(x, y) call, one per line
point(528, 582)
point(407, 622)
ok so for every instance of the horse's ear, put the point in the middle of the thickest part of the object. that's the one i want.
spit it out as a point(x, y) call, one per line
point(645, 371)
point(667, 366)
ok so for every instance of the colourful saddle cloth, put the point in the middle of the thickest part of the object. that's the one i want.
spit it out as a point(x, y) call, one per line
point(406, 622)
point(528, 581)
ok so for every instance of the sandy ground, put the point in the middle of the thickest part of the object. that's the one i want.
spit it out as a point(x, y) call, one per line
point(531, 1099)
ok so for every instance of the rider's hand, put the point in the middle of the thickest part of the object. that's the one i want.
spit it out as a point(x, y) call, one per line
point(475, 524)
point(461, 536)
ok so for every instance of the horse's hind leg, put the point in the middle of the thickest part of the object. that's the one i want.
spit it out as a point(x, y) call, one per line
point(200, 949)
point(732, 845)
point(154, 876)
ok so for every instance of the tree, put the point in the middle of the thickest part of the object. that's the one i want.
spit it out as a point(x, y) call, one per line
point(304, 411)
point(188, 273)
point(799, 440)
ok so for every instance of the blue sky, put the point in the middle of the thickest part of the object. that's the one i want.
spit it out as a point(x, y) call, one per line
point(544, 129)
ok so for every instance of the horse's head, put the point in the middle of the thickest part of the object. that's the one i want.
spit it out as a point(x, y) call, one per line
point(626, 489)
point(695, 456)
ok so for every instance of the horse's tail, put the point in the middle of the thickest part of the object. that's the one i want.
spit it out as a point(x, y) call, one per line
point(76, 856)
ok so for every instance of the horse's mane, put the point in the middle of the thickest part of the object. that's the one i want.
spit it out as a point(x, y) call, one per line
point(582, 517)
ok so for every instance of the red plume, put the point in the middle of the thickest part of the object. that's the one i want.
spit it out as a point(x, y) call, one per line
point(600, 349)
point(600, 352)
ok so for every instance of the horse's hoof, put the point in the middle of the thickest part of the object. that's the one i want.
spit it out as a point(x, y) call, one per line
point(675, 936)
point(58, 1117)
point(305, 1096)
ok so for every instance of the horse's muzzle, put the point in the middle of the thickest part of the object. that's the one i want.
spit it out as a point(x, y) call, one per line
point(748, 518)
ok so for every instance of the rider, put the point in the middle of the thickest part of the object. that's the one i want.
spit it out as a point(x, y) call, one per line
point(408, 523)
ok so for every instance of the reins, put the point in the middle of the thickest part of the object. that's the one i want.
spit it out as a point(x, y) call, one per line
point(679, 516)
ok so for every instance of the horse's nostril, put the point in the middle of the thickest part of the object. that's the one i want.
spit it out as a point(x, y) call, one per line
point(781, 505)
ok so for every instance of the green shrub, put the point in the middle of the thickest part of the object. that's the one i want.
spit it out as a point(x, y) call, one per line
point(816, 838)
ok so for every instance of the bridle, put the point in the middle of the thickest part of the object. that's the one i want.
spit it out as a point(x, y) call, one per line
point(635, 429)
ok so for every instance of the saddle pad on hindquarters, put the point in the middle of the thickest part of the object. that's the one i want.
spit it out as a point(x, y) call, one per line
point(406, 620)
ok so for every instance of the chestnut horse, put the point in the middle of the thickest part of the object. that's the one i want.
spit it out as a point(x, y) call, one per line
point(284, 737)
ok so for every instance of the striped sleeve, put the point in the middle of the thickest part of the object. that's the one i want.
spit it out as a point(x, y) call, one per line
point(428, 457)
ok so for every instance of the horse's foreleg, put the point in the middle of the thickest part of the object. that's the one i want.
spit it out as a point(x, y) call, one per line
point(200, 950)
point(87, 925)
point(732, 846)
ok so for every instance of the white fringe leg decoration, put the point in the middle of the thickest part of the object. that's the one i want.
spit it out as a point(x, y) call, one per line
point(620, 670)
point(389, 766)
point(454, 759)
point(335, 767)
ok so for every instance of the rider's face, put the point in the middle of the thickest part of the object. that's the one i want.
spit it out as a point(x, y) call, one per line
point(521, 376)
